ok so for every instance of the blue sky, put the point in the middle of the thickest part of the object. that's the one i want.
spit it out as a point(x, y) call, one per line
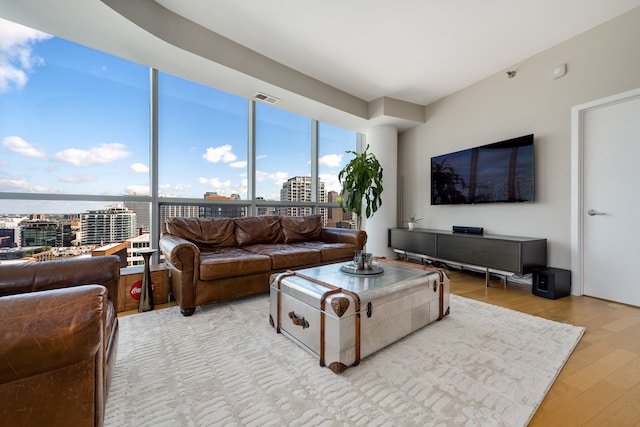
point(76, 121)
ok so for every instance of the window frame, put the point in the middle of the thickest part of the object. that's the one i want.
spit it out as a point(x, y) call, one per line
point(252, 204)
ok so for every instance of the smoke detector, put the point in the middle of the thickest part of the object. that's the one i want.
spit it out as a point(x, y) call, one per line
point(263, 97)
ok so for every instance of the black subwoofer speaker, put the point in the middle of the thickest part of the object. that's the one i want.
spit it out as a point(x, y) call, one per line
point(552, 283)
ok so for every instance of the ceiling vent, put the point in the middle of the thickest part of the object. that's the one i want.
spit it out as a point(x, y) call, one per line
point(263, 97)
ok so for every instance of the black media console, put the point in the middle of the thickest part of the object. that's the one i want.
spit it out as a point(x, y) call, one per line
point(519, 255)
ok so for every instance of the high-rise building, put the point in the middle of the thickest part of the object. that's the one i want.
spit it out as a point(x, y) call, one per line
point(335, 216)
point(143, 216)
point(111, 225)
point(135, 244)
point(169, 211)
point(45, 233)
point(298, 189)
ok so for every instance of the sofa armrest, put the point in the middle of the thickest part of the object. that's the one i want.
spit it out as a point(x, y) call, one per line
point(47, 330)
point(48, 275)
point(181, 253)
point(344, 235)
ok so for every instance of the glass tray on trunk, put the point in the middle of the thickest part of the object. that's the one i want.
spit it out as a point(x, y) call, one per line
point(351, 269)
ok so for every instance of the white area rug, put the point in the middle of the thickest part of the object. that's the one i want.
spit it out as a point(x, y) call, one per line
point(482, 365)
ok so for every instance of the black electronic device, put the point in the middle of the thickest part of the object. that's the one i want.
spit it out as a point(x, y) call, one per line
point(467, 230)
point(498, 172)
point(552, 283)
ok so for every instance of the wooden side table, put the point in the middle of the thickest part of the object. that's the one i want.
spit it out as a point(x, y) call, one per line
point(131, 283)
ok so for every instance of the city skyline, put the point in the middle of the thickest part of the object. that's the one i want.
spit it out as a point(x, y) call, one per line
point(133, 218)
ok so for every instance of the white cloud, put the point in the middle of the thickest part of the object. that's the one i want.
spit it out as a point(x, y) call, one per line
point(279, 177)
point(105, 153)
point(17, 145)
point(139, 168)
point(140, 190)
point(13, 184)
point(181, 187)
point(225, 188)
point(43, 189)
point(16, 54)
point(217, 154)
point(239, 165)
point(77, 179)
point(261, 176)
point(331, 160)
point(171, 190)
point(331, 182)
point(215, 183)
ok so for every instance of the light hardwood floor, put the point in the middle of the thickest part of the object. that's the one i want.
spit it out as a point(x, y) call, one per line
point(600, 384)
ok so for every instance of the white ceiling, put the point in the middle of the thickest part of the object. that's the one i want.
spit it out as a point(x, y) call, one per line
point(411, 50)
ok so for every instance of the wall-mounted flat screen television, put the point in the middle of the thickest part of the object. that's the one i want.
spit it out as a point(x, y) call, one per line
point(498, 172)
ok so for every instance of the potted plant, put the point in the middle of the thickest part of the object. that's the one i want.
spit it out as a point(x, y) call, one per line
point(361, 181)
point(411, 222)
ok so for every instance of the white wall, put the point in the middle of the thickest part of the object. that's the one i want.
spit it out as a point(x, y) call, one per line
point(600, 62)
point(383, 142)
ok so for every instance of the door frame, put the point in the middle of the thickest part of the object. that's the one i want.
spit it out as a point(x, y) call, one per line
point(578, 113)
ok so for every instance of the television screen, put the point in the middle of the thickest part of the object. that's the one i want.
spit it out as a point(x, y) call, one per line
point(498, 172)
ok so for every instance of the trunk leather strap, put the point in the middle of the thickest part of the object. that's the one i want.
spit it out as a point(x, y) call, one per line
point(278, 298)
point(332, 290)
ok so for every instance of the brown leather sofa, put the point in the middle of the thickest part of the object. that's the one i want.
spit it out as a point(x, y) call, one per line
point(58, 341)
point(216, 259)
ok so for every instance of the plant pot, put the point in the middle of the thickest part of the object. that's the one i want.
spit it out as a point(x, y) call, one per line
point(411, 225)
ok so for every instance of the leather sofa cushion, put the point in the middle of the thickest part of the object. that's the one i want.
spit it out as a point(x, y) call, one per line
point(286, 256)
point(301, 228)
point(330, 251)
point(258, 229)
point(231, 262)
point(204, 232)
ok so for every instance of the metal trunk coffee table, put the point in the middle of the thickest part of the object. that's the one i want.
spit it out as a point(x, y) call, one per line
point(342, 316)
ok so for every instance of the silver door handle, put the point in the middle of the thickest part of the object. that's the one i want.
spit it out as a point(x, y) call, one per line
point(592, 212)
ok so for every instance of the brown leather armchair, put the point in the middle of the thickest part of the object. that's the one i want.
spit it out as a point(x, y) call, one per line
point(58, 340)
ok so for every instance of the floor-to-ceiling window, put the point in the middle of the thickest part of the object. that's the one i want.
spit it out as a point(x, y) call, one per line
point(202, 140)
point(283, 159)
point(74, 141)
point(77, 145)
point(202, 149)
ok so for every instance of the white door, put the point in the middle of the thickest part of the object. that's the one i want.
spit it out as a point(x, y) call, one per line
point(611, 201)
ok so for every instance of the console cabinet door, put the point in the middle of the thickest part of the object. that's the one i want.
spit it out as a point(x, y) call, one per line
point(414, 241)
point(492, 253)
